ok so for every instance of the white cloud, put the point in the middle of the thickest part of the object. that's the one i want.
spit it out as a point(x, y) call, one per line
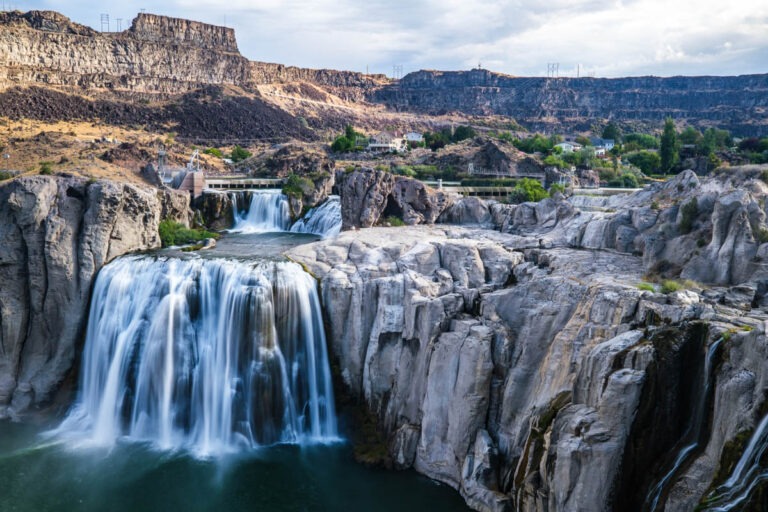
point(607, 37)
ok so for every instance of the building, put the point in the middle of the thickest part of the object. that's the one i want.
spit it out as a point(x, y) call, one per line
point(568, 147)
point(414, 139)
point(606, 144)
point(386, 142)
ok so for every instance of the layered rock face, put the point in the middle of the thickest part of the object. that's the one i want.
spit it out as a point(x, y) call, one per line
point(735, 103)
point(526, 369)
point(156, 55)
point(55, 235)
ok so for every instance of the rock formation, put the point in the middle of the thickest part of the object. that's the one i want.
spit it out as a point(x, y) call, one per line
point(526, 368)
point(55, 235)
point(368, 196)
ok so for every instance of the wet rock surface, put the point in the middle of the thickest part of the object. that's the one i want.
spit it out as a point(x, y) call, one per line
point(55, 235)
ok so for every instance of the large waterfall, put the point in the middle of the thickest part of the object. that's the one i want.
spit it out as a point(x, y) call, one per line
point(268, 211)
point(205, 355)
point(323, 220)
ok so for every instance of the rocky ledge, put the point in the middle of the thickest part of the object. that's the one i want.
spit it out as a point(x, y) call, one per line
point(55, 235)
point(527, 369)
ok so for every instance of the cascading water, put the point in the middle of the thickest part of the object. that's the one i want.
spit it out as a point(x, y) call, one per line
point(746, 476)
point(268, 211)
point(695, 432)
point(206, 355)
point(323, 220)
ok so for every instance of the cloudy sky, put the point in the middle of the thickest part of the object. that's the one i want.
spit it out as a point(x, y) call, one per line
point(519, 37)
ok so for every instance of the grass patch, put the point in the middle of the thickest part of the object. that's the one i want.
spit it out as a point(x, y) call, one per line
point(646, 287)
point(670, 286)
point(174, 233)
point(46, 168)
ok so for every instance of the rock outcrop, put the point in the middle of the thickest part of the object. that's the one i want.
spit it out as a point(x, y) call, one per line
point(536, 378)
point(55, 235)
point(369, 195)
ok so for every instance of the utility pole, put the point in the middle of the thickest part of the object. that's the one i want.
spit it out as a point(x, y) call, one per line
point(104, 22)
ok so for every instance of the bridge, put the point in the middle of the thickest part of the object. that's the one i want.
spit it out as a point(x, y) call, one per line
point(242, 183)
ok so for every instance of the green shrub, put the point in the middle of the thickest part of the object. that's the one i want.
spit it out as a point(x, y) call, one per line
point(239, 154)
point(393, 221)
point(670, 286)
point(529, 190)
point(46, 168)
point(689, 213)
point(215, 152)
point(296, 186)
point(761, 235)
point(556, 188)
point(646, 287)
point(174, 233)
point(5, 175)
point(655, 205)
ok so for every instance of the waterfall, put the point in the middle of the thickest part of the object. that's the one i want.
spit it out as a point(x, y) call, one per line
point(205, 355)
point(746, 476)
point(323, 220)
point(268, 211)
point(695, 431)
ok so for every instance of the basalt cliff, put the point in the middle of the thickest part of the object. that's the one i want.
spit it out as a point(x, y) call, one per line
point(165, 71)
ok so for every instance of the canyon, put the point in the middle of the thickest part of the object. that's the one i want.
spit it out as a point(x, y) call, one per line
point(46, 59)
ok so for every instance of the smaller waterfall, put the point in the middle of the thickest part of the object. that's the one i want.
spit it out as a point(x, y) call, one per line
point(746, 476)
point(323, 220)
point(695, 432)
point(268, 212)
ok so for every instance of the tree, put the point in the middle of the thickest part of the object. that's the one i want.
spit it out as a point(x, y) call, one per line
point(613, 132)
point(528, 190)
point(463, 133)
point(668, 151)
point(690, 135)
point(647, 161)
point(239, 154)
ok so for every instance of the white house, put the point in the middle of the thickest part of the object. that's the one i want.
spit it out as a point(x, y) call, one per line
point(386, 142)
point(568, 147)
point(414, 138)
point(608, 144)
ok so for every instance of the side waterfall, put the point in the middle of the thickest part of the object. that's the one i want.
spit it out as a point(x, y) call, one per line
point(745, 477)
point(323, 220)
point(268, 211)
point(205, 355)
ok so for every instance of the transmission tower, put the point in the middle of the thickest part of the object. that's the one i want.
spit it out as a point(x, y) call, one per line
point(397, 71)
point(553, 69)
point(104, 22)
point(119, 22)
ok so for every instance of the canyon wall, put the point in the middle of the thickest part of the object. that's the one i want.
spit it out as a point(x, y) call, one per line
point(739, 103)
point(55, 235)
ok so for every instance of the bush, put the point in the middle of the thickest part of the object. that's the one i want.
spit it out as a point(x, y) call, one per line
point(556, 188)
point(646, 287)
point(689, 213)
point(648, 162)
point(296, 186)
point(174, 233)
point(761, 235)
point(529, 190)
point(215, 152)
point(46, 168)
point(347, 142)
point(670, 286)
point(239, 154)
point(393, 221)
point(5, 175)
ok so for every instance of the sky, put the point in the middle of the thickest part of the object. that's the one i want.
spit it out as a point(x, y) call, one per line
point(600, 38)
